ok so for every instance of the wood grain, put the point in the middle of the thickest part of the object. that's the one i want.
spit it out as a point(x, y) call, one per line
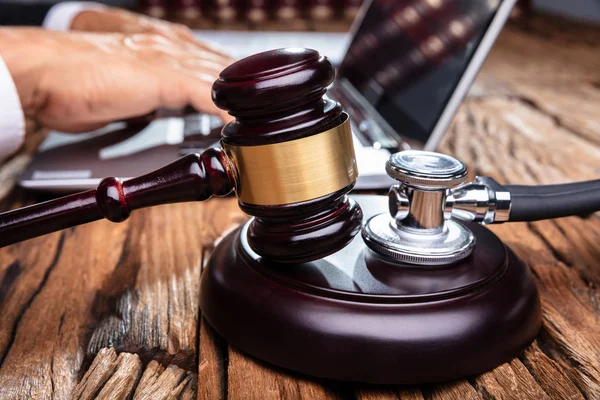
point(111, 311)
point(212, 367)
point(120, 377)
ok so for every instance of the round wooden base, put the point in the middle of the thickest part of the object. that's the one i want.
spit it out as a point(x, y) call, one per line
point(355, 316)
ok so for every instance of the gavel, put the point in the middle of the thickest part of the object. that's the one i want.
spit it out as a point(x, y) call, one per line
point(288, 156)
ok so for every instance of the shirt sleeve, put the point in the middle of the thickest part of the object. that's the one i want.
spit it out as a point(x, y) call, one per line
point(12, 120)
point(60, 16)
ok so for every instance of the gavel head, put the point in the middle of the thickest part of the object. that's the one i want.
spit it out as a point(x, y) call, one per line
point(292, 151)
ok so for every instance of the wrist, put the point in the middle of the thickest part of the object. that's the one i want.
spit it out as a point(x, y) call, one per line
point(24, 57)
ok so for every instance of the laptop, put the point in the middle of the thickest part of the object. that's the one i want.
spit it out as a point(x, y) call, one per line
point(403, 71)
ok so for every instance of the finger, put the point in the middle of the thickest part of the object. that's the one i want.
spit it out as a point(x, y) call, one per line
point(201, 99)
point(156, 48)
point(181, 89)
point(180, 33)
point(220, 55)
point(210, 50)
point(63, 125)
point(195, 60)
point(192, 87)
point(205, 51)
point(226, 117)
point(184, 33)
point(198, 64)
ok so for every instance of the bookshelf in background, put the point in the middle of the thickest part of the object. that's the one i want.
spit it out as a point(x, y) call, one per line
point(294, 15)
point(269, 15)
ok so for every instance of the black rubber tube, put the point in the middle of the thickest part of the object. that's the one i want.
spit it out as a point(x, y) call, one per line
point(553, 189)
point(532, 203)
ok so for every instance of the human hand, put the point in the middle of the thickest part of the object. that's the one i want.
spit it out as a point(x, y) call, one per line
point(111, 19)
point(74, 82)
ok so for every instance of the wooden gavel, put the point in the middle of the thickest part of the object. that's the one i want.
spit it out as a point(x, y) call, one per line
point(288, 155)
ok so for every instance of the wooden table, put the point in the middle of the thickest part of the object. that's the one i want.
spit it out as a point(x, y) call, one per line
point(111, 310)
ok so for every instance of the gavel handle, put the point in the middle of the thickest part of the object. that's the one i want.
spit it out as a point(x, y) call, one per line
point(191, 178)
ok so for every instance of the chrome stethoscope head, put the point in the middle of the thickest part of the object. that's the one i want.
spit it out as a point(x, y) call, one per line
point(420, 227)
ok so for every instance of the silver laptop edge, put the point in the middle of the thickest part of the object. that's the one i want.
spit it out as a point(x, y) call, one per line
point(471, 71)
point(469, 75)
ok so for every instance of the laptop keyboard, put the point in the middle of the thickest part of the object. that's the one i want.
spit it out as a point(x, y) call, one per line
point(200, 131)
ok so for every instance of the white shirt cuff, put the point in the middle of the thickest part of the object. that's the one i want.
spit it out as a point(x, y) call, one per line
point(12, 120)
point(60, 16)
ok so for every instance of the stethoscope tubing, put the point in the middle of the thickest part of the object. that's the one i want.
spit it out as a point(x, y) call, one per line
point(566, 188)
point(532, 203)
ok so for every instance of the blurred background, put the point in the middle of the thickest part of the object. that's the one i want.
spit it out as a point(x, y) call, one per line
point(398, 80)
point(303, 15)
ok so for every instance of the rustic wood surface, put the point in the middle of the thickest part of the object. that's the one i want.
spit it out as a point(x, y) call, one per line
point(109, 311)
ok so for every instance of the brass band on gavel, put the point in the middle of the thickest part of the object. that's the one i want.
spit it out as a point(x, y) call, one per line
point(296, 170)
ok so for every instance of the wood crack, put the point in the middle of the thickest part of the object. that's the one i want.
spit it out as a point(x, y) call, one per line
point(217, 351)
point(199, 314)
point(592, 289)
point(535, 231)
point(13, 333)
point(547, 373)
point(591, 286)
point(485, 395)
point(223, 349)
point(10, 276)
point(52, 388)
point(556, 120)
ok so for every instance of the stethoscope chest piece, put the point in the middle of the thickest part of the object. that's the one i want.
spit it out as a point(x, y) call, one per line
point(416, 230)
point(452, 243)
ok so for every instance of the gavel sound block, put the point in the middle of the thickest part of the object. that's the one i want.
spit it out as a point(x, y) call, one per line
point(295, 285)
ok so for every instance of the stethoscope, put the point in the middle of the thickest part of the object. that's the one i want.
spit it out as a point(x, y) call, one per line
point(421, 228)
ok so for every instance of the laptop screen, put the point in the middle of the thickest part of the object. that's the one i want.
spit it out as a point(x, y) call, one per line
point(407, 57)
